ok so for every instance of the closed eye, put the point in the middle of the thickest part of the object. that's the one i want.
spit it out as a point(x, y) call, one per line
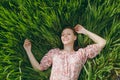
point(66, 34)
point(69, 34)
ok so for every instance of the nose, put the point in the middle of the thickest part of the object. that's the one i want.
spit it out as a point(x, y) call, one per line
point(65, 35)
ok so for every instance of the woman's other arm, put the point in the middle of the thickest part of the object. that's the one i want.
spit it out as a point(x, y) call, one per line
point(27, 46)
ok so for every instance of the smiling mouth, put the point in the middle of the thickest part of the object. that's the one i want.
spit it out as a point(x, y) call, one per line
point(65, 39)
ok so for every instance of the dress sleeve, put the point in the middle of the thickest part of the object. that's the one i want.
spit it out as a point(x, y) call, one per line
point(92, 50)
point(46, 61)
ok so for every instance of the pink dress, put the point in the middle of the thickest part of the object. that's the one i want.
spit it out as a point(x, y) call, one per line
point(67, 66)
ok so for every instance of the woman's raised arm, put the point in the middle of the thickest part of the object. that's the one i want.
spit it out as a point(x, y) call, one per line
point(97, 39)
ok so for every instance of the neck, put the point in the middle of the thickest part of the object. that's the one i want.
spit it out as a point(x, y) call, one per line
point(68, 48)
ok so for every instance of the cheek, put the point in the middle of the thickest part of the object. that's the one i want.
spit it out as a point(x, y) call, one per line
point(61, 38)
point(72, 37)
point(75, 38)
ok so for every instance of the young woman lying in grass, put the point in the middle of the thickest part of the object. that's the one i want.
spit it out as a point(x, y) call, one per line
point(67, 62)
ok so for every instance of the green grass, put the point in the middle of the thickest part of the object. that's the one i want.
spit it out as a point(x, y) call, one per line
point(41, 21)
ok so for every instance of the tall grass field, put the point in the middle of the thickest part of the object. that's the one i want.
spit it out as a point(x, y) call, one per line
point(41, 21)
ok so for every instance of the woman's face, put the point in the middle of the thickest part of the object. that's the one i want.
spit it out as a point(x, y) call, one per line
point(68, 36)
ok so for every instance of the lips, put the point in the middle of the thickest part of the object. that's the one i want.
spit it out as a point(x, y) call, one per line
point(65, 39)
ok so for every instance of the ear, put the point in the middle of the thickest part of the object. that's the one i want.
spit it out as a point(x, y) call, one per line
point(75, 38)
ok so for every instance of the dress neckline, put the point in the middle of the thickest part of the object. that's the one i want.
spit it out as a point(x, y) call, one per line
point(66, 52)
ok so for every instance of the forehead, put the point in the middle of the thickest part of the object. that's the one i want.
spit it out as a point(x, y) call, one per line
point(67, 30)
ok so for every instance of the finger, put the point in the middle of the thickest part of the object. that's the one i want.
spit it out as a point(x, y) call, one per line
point(76, 28)
point(27, 40)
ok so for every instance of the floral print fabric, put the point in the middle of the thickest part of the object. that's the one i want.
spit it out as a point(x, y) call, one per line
point(67, 66)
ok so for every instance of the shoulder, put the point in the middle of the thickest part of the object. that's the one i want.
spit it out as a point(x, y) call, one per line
point(80, 51)
point(88, 47)
point(54, 50)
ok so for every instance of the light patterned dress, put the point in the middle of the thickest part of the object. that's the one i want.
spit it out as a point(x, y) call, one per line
point(67, 66)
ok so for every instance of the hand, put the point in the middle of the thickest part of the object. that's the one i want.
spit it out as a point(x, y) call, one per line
point(80, 29)
point(27, 45)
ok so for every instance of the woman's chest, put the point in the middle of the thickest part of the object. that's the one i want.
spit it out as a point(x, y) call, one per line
point(66, 59)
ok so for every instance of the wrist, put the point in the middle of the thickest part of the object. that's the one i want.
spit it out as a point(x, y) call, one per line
point(28, 51)
point(84, 31)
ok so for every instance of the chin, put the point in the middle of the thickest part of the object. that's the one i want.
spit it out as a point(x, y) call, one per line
point(66, 43)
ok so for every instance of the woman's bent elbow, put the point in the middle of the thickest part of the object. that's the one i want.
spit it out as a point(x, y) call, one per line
point(38, 68)
point(102, 44)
